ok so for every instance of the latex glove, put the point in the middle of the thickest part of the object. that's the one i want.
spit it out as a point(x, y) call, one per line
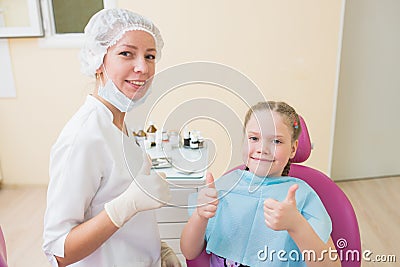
point(282, 215)
point(168, 257)
point(146, 192)
point(207, 199)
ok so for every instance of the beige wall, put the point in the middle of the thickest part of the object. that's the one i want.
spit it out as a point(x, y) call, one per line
point(13, 7)
point(288, 48)
point(367, 105)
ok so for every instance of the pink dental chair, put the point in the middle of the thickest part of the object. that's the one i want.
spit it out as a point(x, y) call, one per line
point(3, 252)
point(345, 232)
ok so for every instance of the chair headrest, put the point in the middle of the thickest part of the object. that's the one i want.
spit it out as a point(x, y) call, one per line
point(304, 147)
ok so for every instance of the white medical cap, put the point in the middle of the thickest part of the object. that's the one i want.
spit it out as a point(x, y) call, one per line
point(105, 28)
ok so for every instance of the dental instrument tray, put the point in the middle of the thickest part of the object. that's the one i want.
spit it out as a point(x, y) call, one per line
point(163, 162)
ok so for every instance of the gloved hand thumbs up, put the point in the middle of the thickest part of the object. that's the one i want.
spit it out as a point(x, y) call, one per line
point(147, 191)
point(146, 166)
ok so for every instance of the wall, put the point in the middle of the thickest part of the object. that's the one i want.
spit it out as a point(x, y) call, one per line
point(367, 127)
point(288, 48)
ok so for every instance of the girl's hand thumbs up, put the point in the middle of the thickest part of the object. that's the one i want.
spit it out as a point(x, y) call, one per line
point(207, 199)
point(210, 180)
point(282, 215)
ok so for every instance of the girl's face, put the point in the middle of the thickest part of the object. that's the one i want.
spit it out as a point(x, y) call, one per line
point(130, 63)
point(267, 146)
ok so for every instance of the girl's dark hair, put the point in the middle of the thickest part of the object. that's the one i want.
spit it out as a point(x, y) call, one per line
point(289, 115)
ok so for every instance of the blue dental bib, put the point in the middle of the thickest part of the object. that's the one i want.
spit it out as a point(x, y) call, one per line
point(238, 231)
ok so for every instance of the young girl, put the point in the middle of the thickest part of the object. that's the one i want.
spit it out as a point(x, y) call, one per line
point(260, 216)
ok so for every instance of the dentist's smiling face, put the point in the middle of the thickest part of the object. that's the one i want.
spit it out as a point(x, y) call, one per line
point(267, 145)
point(130, 63)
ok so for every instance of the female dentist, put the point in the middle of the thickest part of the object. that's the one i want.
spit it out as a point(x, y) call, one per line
point(101, 196)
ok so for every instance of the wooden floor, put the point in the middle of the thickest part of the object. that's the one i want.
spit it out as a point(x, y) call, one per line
point(377, 206)
point(21, 219)
point(376, 202)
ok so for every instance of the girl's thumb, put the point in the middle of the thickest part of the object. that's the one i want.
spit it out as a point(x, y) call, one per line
point(210, 180)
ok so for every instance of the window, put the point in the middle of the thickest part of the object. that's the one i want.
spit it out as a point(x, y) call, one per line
point(20, 19)
point(64, 21)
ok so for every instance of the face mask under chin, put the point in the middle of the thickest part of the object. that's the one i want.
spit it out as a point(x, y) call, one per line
point(113, 95)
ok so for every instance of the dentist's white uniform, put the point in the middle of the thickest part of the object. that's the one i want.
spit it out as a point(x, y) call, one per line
point(90, 164)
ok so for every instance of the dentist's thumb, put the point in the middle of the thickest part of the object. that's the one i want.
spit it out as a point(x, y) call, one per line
point(210, 180)
point(146, 166)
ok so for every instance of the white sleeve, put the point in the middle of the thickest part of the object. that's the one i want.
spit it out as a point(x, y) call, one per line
point(76, 168)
